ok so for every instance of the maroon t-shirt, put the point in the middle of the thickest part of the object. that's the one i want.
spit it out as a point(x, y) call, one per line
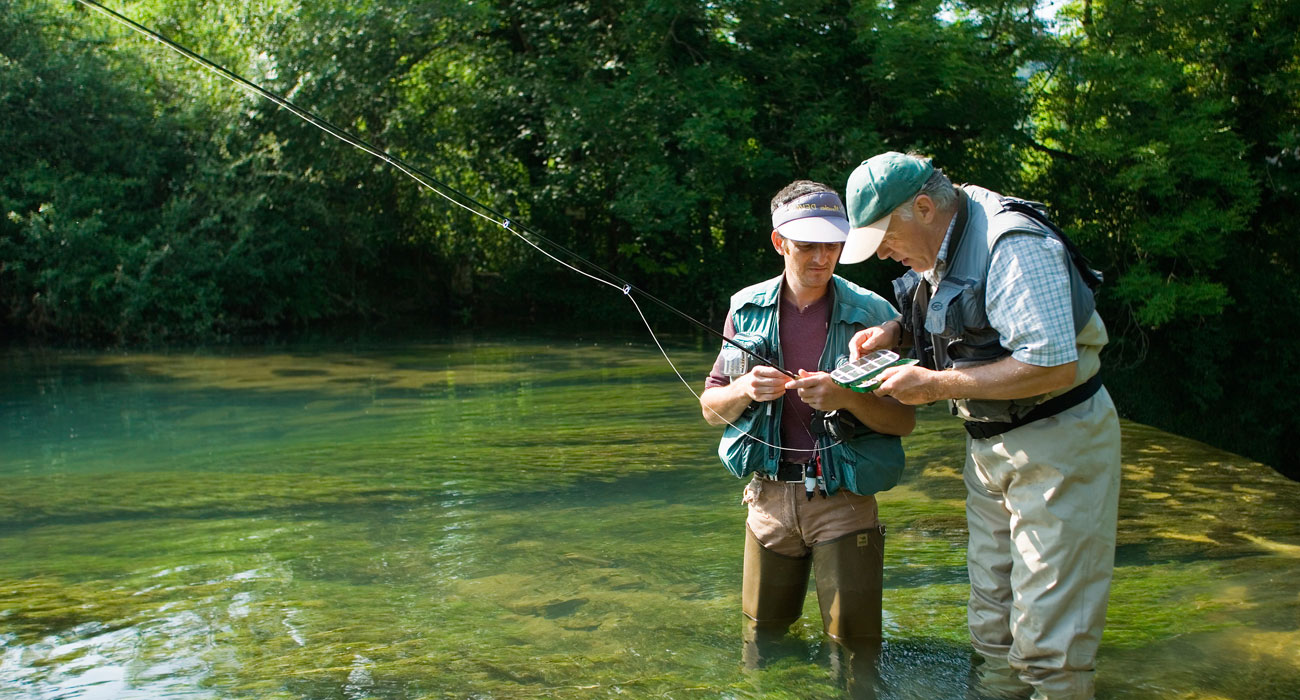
point(803, 337)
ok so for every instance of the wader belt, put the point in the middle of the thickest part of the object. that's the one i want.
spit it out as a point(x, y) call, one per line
point(1046, 409)
point(788, 471)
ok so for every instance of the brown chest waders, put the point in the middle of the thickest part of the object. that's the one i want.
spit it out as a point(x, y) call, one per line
point(848, 574)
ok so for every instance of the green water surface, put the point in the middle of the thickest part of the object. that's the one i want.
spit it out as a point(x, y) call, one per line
point(515, 519)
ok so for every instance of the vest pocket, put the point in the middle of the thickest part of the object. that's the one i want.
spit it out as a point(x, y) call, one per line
point(904, 291)
point(868, 464)
point(739, 451)
point(957, 304)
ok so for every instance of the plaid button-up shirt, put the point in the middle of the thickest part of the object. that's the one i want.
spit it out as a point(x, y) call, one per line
point(1026, 296)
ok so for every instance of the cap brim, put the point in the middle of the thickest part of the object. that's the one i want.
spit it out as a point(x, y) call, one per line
point(863, 242)
point(815, 229)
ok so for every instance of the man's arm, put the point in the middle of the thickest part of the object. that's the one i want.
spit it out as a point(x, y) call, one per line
point(1007, 378)
point(724, 404)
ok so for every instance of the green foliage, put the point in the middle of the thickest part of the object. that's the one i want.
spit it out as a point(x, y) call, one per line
point(1162, 132)
point(145, 199)
point(1140, 131)
point(644, 137)
point(82, 167)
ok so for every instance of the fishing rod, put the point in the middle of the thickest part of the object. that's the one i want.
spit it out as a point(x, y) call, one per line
point(431, 183)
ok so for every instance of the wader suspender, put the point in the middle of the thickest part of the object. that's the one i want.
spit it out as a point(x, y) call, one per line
point(922, 343)
point(930, 351)
point(1090, 277)
point(1077, 395)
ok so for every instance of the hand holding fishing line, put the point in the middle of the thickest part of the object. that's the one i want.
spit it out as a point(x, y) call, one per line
point(818, 390)
point(764, 383)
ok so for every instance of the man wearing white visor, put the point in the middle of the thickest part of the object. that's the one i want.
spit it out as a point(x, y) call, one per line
point(810, 495)
point(998, 309)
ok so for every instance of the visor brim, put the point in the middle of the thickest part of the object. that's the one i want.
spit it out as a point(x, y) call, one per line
point(815, 229)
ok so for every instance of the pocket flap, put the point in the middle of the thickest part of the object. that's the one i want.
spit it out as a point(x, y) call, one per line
point(936, 317)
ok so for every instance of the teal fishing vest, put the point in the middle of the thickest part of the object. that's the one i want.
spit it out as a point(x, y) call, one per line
point(950, 327)
point(870, 462)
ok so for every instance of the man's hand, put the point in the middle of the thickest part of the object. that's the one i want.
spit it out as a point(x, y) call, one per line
point(912, 385)
point(874, 338)
point(818, 390)
point(764, 383)
point(724, 404)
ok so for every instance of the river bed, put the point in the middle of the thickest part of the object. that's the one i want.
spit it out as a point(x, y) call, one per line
point(480, 518)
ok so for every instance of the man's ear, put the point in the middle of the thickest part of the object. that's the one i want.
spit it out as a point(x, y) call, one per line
point(923, 209)
point(778, 242)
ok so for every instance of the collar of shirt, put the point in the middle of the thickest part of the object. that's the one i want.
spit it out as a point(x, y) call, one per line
point(934, 274)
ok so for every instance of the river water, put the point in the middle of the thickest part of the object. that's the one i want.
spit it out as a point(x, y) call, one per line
point(479, 518)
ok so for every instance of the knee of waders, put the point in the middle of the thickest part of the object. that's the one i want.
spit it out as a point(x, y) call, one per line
point(774, 585)
point(849, 575)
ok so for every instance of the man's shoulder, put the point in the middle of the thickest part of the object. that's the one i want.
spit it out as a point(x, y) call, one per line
point(763, 293)
point(853, 293)
point(859, 305)
point(1003, 219)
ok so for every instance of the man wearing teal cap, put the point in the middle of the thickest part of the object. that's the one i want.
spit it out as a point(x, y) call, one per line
point(997, 307)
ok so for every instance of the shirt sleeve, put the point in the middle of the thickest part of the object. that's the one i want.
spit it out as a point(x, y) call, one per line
point(716, 377)
point(1028, 299)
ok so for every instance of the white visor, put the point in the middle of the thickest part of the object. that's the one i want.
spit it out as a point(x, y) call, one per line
point(863, 242)
point(816, 217)
point(815, 229)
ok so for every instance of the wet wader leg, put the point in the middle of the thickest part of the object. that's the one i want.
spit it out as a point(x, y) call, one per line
point(772, 594)
point(992, 678)
point(1057, 481)
point(989, 563)
point(849, 573)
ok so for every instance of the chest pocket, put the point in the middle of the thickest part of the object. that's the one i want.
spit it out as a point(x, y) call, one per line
point(956, 306)
point(734, 362)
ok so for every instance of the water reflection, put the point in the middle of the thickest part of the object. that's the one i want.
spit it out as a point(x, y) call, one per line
point(526, 520)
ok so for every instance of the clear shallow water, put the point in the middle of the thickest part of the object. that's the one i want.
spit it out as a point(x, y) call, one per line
point(525, 520)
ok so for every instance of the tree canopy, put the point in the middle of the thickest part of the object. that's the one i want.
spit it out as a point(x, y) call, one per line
point(146, 200)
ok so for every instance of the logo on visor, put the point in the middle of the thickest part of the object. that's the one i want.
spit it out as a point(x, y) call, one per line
point(811, 206)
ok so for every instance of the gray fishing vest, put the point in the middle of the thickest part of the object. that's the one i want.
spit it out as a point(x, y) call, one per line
point(948, 324)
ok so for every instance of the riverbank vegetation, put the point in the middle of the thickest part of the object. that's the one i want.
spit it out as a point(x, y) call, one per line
point(147, 201)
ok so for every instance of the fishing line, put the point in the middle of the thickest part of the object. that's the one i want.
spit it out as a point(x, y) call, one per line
point(455, 196)
point(691, 389)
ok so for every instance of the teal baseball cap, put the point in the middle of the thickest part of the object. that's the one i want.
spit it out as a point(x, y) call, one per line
point(876, 188)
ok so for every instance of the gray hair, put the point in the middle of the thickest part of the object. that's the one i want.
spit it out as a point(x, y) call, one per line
point(938, 188)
